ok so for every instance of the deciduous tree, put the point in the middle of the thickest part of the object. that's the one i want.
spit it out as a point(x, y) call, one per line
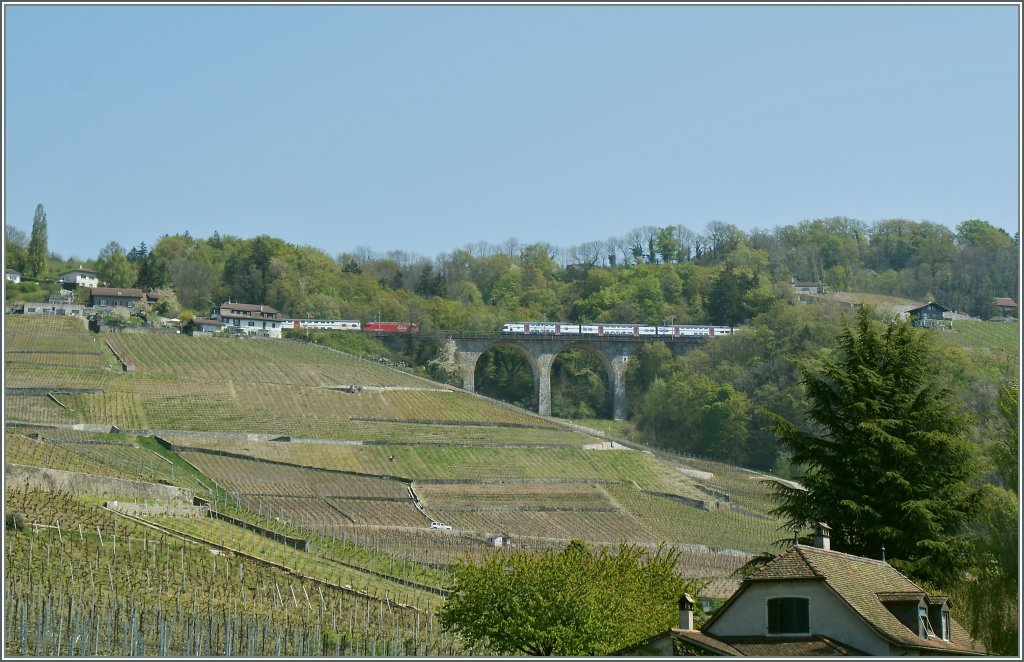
point(573, 602)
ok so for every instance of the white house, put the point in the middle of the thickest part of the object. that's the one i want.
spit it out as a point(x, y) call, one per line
point(81, 277)
point(12, 275)
point(249, 319)
point(813, 601)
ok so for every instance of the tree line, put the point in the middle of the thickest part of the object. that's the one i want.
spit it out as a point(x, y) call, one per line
point(650, 275)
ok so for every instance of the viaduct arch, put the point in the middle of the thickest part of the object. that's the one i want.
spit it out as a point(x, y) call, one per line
point(541, 351)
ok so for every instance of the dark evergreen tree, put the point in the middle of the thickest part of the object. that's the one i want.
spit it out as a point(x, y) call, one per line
point(886, 461)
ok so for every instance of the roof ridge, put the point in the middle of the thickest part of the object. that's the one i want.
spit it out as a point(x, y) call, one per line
point(845, 555)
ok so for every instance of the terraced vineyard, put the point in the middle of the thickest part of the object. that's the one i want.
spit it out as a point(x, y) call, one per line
point(274, 436)
point(111, 587)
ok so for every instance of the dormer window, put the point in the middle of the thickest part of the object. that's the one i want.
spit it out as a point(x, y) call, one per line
point(789, 616)
point(946, 626)
point(926, 625)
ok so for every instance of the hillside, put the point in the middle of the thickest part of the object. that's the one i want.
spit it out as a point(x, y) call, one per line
point(295, 442)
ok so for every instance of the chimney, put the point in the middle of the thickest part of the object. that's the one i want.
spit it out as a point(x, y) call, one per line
point(685, 612)
point(822, 536)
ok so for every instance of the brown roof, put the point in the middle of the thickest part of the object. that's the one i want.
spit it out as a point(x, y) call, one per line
point(761, 646)
point(237, 310)
point(1005, 302)
point(117, 292)
point(866, 585)
point(256, 308)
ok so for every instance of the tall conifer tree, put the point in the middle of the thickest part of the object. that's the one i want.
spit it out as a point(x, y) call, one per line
point(885, 461)
point(37, 248)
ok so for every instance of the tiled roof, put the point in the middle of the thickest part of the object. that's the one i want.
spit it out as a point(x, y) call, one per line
point(256, 308)
point(865, 584)
point(117, 292)
point(1005, 302)
point(761, 646)
point(712, 645)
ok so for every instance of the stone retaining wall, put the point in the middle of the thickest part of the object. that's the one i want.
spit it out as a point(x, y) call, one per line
point(18, 476)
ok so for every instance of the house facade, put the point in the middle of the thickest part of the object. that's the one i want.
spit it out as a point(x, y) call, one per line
point(929, 315)
point(61, 309)
point(112, 297)
point(12, 276)
point(813, 601)
point(81, 278)
point(250, 319)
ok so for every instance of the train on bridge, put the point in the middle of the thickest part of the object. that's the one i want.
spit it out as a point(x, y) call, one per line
point(526, 328)
point(350, 325)
point(627, 330)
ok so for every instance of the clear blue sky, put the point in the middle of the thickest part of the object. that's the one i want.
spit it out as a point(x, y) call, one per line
point(424, 129)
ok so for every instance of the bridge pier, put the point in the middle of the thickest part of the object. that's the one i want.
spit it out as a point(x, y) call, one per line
point(468, 360)
point(617, 378)
point(541, 352)
point(542, 382)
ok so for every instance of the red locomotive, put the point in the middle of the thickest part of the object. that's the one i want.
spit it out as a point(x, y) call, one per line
point(390, 327)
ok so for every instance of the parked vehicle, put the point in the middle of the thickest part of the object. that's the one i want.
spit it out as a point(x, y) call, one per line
point(439, 525)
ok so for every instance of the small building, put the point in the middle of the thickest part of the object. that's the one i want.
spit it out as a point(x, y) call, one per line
point(12, 276)
point(1006, 306)
point(813, 601)
point(111, 297)
point(499, 540)
point(929, 315)
point(249, 319)
point(60, 309)
point(807, 287)
point(202, 325)
point(81, 278)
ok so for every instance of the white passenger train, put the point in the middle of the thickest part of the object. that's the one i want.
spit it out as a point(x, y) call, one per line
point(631, 330)
point(322, 325)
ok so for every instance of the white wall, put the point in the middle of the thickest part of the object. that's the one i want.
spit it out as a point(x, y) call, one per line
point(829, 616)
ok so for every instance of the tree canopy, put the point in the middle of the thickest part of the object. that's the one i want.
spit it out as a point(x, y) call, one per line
point(885, 460)
point(570, 602)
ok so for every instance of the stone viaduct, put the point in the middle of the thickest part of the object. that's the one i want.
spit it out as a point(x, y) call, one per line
point(540, 352)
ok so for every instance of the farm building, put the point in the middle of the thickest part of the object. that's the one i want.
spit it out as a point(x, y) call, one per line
point(1006, 306)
